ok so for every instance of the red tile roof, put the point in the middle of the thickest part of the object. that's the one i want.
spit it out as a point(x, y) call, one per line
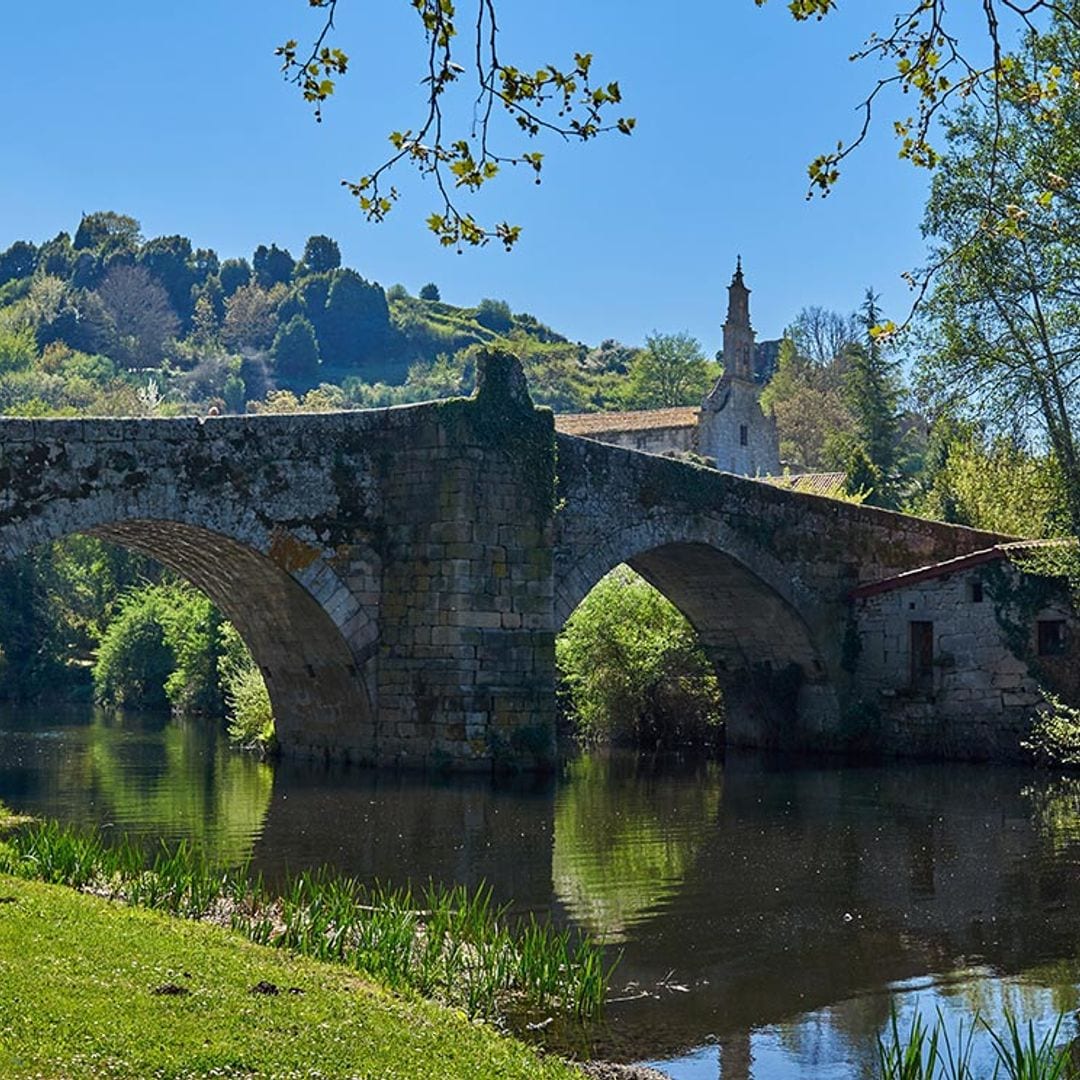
point(622, 423)
point(952, 566)
point(821, 483)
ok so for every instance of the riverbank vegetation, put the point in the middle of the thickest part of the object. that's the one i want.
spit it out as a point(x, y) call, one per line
point(452, 945)
point(633, 670)
point(129, 993)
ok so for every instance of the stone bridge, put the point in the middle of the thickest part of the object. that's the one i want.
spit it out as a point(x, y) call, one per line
point(399, 575)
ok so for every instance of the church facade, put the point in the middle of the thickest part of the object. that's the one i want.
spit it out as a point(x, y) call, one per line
point(732, 430)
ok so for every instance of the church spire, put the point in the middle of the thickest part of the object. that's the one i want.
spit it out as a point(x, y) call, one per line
point(738, 334)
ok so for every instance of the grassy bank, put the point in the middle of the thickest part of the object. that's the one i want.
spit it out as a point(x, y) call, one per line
point(452, 945)
point(94, 989)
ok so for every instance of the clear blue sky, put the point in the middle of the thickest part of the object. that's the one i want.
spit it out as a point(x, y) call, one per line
point(176, 114)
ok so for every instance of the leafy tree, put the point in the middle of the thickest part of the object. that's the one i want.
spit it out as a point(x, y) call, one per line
point(56, 256)
point(19, 261)
point(872, 393)
point(397, 292)
point(234, 274)
point(495, 315)
point(1002, 325)
point(429, 292)
point(671, 370)
point(250, 318)
point(321, 254)
point(161, 648)
point(171, 261)
point(633, 670)
point(354, 326)
point(272, 266)
point(106, 231)
point(808, 406)
point(992, 484)
point(295, 352)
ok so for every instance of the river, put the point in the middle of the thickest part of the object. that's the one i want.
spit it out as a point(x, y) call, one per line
point(769, 915)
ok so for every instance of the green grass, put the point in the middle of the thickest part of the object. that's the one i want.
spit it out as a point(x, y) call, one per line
point(79, 973)
point(452, 945)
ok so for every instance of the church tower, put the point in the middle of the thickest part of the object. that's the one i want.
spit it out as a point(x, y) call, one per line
point(738, 335)
point(732, 429)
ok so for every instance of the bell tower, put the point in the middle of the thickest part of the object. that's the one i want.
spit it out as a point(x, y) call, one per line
point(738, 334)
point(732, 429)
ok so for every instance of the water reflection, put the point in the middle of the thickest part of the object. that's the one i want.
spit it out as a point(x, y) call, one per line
point(627, 831)
point(146, 776)
point(770, 915)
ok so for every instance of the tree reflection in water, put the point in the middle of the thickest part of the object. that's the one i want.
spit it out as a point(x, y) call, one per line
point(627, 831)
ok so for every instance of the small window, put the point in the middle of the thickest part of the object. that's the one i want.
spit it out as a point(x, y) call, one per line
point(744, 435)
point(1051, 633)
point(922, 655)
point(976, 592)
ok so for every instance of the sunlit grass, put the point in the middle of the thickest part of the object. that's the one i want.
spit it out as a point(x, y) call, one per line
point(454, 945)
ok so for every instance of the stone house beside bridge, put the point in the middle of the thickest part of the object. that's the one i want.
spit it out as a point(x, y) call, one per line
point(953, 659)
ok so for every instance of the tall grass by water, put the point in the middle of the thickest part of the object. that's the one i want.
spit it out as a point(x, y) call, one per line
point(453, 945)
point(928, 1052)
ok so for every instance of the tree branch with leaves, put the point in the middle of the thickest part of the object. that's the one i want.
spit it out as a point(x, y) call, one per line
point(560, 101)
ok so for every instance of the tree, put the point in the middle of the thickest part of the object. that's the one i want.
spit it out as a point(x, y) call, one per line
point(808, 405)
point(295, 352)
point(250, 318)
point(430, 292)
point(171, 261)
point(272, 266)
point(354, 326)
point(495, 315)
point(19, 261)
point(872, 393)
point(141, 314)
point(1001, 329)
point(671, 370)
point(320, 255)
point(822, 336)
point(106, 230)
point(234, 274)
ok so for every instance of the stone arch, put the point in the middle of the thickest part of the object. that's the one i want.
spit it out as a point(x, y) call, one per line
point(297, 616)
point(754, 618)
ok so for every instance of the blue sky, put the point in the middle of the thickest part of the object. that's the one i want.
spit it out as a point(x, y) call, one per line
point(175, 113)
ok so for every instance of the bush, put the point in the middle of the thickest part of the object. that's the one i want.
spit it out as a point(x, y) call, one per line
point(162, 647)
point(251, 717)
point(634, 671)
point(1054, 738)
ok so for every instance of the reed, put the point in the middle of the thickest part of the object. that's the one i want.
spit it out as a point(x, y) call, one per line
point(455, 945)
point(928, 1053)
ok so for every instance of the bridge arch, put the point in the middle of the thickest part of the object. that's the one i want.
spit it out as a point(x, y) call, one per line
point(300, 621)
point(754, 618)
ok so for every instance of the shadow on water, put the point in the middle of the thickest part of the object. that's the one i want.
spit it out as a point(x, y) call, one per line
point(769, 914)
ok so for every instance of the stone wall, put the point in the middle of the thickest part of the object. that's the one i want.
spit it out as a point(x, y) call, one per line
point(985, 678)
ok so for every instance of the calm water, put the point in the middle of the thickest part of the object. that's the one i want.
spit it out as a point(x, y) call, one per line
point(769, 916)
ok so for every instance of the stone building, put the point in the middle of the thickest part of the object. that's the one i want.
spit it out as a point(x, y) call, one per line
point(732, 429)
point(954, 658)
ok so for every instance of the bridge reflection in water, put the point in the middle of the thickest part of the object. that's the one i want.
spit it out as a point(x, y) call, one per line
point(794, 905)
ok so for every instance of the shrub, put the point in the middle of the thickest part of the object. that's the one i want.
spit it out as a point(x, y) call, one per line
point(161, 647)
point(495, 315)
point(1054, 737)
point(633, 670)
point(251, 717)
